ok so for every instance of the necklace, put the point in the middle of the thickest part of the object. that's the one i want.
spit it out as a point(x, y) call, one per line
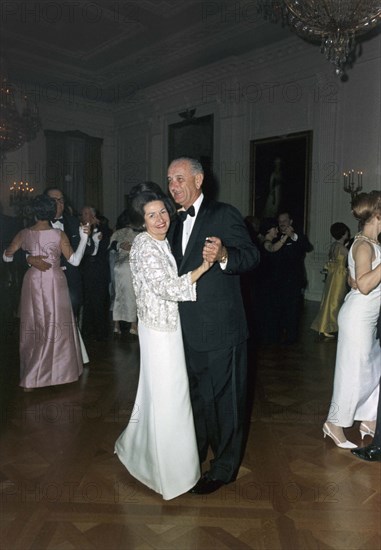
point(369, 239)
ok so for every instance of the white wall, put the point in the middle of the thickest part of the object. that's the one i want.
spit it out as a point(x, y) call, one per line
point(277, 90)
point(270, 92)
point(62, 113)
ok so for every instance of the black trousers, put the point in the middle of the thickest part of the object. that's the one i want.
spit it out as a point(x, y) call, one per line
point(76, 298)
point(96, 303)
point(217, 382)
point(74, 282)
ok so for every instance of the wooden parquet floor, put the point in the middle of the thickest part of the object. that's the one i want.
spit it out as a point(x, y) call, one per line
point(62, 488)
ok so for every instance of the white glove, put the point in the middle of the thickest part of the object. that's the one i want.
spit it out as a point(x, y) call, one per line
point(7, 258)
point(96, 236)
point(76, 257)
point(82, 234)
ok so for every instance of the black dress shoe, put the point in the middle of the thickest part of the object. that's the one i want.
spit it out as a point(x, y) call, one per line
point(206, 485)
point(372, 453)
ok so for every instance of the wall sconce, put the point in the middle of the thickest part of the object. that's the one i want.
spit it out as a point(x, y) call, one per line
point(352, 182)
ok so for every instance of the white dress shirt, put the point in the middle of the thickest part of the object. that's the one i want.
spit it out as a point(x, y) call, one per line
point(189, 222)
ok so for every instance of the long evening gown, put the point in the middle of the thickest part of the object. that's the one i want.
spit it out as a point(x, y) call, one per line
point(124, 308)
point(50, 351)
point(358, 358)
point(335, 289)
point(159, 447)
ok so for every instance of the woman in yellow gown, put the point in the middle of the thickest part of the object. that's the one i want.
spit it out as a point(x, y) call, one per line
point(335, 287)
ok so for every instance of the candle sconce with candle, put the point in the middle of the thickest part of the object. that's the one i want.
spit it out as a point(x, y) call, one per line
point(353, 182)
point(20, 195)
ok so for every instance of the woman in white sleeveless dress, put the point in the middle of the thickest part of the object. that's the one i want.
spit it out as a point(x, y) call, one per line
point(159, 447)
point(358, 359)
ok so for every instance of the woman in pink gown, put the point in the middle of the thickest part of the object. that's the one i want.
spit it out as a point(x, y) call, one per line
point(50, 351)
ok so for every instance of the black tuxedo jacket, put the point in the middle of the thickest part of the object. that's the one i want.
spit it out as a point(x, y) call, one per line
point(287, 264)
point(98, 267)
point(217, 319)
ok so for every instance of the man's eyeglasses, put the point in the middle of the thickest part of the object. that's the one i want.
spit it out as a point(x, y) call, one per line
point(61, 200)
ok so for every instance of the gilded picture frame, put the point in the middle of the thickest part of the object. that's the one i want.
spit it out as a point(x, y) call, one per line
point(280, 172)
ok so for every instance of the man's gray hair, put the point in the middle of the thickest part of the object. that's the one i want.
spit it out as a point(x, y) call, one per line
point(93, 210)
point(195, 164)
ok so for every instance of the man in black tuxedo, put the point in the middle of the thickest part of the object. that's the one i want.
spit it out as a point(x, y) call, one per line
point(70, 225)
point(11, 274)
point(95, 271)
point(214, 327)
point(290, 280)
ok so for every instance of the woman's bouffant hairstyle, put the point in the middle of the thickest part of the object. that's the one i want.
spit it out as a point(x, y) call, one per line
point(366, 205)
point(123, 219)
point(43, 207)
point(142, 194)
point(338, 230)
point(266, 225)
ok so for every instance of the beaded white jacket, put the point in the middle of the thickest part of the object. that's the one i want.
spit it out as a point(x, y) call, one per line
point(157, 285)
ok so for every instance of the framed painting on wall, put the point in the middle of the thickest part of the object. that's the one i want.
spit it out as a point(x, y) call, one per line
point(193, 137)
point(280, 176)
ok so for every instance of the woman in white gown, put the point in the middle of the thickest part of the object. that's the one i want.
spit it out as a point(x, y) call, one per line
point(124, 307)
point(358, 359)
point(159, 447)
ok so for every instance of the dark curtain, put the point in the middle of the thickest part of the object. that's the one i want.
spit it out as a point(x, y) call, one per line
point(74, 164)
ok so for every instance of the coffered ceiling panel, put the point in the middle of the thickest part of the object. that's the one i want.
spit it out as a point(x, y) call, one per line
point(120, 43)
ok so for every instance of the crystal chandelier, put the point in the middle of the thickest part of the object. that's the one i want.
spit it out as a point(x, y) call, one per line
point(335, 23)
point(16, 127)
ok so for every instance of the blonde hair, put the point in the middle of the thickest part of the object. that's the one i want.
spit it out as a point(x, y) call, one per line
point(366, 205)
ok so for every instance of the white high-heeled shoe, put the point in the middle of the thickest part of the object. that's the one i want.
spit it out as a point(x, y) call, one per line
point(365, 430)
point(342, 444)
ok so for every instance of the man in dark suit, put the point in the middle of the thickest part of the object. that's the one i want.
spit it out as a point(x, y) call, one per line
point(70, 225)
point(290, 280)
point(11, 274)
point(214, 327)
point(95, 271)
